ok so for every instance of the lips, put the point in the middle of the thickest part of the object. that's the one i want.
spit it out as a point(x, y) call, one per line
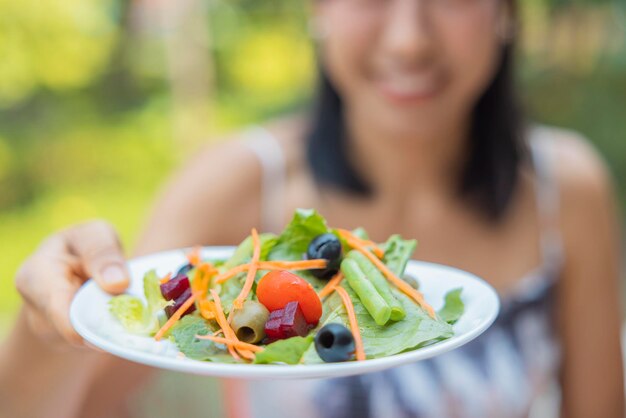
point(409, 88)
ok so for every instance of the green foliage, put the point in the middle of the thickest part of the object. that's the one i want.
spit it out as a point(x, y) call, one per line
point(415, 330)
point(53, 44)
point(287, 351)
point(453, 306)
point(184, 335)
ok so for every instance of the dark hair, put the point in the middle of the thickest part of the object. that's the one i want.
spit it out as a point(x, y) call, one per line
point(490, 175)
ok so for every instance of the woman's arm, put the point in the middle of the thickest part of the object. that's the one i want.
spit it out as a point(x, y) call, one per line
point(589, 292)
point(212, 200)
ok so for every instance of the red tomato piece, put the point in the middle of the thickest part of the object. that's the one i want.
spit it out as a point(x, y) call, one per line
point(279, 287)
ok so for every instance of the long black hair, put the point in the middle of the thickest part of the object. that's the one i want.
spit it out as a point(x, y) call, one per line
point(496, 150)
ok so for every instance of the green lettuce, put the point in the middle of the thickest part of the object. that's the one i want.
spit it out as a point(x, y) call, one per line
point(231, 289)
point(293, 242)
point(298, 234)
point(415, 330)
point(398, 252)
point(360, 232)
point(136, 317)
point(453, 306)
point(243, 253)
point(130, 311)
point(152, 292)
point(183, 334)
point(288, 351)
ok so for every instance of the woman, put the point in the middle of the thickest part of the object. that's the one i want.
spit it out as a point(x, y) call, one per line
point(417, 131)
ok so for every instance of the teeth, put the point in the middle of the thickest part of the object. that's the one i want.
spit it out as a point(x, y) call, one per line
point(409, 85)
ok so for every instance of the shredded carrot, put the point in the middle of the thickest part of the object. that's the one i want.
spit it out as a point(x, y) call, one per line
point(166, 278)
point(223, 323)
point(174, 318)
point(345, 234)
point(199, 287)
point(227, 330)
point(400, 284)
point(293, 265)
point(236, 343)
point(231, 273)
point(273, 265)
point(207, 309)
point(330, 286)
point(359, 352)
point(196, 283)
point(203, 275)
point(194, 256)
point(247, 354)
point(256, 254)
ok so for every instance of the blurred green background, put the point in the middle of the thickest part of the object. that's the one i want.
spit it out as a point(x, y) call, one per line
point(101, 99)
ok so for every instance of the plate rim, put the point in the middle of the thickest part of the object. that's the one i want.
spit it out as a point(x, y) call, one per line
point(276, 371)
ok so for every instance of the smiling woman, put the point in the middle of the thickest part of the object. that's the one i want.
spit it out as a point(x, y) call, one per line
point(416, 131)
point(422, 80)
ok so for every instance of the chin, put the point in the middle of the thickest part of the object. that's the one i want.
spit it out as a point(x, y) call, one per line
point(409, 124)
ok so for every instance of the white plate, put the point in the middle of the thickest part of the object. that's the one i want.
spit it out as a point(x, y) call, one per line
point(90, 317)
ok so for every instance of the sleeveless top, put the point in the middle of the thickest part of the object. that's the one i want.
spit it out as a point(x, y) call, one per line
point(509, 371)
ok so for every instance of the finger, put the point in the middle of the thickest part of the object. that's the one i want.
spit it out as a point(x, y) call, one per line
point(51, 263)
point(48, 292)
point(58, 312)
point(41, 326)
point(93, 347)
point(98, 247)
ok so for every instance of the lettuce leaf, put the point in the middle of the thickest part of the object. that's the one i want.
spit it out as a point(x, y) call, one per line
point(453, 307)
point(136, 317)
point(243, 253)
point(230, 289)
point(290, 245)
point(152, 292)
point(294, 240)
point(183, 334)
point(130, 311)
point(360, 232)
point(398, 252)
point(288, 351)
point(415, 330)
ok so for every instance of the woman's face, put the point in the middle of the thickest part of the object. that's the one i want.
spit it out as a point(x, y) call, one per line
point(411, 66)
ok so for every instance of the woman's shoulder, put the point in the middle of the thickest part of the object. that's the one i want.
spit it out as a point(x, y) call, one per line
point(579, 168)
point(285, 133)
point(211, 199)
point(585, 186)
point(215, 195)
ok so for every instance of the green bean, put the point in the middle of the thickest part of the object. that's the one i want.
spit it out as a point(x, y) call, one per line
point(249, 322)
point(371, 299)
point(380, 283)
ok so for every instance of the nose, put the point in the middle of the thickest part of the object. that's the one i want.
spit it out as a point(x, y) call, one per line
point(408, 33)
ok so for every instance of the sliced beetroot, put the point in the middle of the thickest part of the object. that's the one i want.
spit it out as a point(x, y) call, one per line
point(272, 326)
point(286, 323)
point(169, 310)
point(172, 289)
point(293, 322)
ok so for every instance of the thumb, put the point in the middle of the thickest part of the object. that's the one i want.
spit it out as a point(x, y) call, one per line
point(98, 247)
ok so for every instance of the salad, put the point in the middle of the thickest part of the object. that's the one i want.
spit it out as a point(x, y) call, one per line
point(312, 294)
